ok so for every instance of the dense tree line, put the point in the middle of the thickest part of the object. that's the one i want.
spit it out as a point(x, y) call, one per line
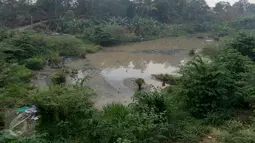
point(15, 13)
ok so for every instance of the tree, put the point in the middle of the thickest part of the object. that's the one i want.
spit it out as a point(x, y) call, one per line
point(168, 10)
point(196, 10)
point(240, 7)
point(223, 10)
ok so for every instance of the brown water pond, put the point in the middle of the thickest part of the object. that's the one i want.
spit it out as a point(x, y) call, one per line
point(114, 69)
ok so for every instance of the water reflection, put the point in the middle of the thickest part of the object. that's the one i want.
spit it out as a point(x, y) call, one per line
point(116, 76)
point(145, 70)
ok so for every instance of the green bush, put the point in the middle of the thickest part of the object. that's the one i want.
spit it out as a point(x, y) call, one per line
point(244, 23)
point(111, 33)
point(236, 132)
point(208, 87)
point(55, 60)
point(58, 77)
point(145, 27)
point(149, 102)
point(139, 83)
point(14, 73)
point(222, 29)
point(116, 112)
point(65, 112)
point(14, 95)
point(93, 48)
point(245, 44)
point(67, 45)
point(117, 32)
point(34, 63)
point(26, 45)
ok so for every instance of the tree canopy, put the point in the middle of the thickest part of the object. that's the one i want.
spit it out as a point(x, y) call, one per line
point(15, 13)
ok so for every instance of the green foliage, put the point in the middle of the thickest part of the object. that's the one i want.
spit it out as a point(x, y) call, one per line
point(75, 26)
point(208, 87)
point(93, 48)
point(244, 43)
point(99, 36)
point(235, 132)
point(5, 34)
point(34, 63)
point(149, 102)
point(64, 111)
point(26, 45)
point(145, 27)
point(58, 77)
point(116, 112)
point(13, 73)
point(14, 95)
point(67, 45)
point(55, 60)
point(244, 23)
point(222, 29)
point(139, 83)
point(108, 34)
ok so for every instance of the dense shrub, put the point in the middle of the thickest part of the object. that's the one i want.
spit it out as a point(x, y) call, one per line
point(14, 73)
point(244, 43)
point(65, 112)
point(236, 132)
point(5, 34)
point(149, 102)
point(67, 45)
point(58, 77)
point(96, 34)
point(244, 23)
point(222, 29)
point(34, 63)
point(208, 87)
point(26, 45)
point(145, 27)
point(93, 48)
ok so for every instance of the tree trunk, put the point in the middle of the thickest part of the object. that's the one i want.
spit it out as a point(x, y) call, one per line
point(139, 87)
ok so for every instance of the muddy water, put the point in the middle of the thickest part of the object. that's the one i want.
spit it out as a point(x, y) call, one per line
point(112, 71)
point(120, 65)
